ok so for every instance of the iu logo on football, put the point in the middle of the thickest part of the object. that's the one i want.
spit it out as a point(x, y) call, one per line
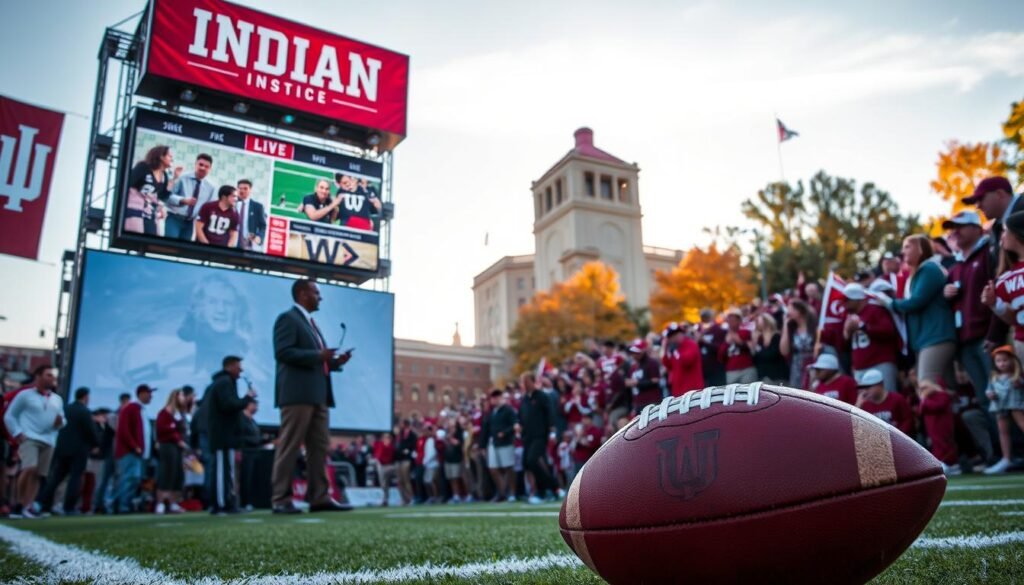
point(685, 471)
point(16, 185)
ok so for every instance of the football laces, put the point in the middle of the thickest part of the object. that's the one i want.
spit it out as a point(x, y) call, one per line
point(699, 399)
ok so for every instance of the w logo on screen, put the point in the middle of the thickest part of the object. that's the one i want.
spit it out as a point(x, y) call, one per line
point(326, 251)
point(686, 472)
point(13, 185)
point(354, 202)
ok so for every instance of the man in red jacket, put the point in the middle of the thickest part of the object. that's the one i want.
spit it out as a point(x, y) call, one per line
point(871, 332)
point(682, 360)
point(967, 278)
point(735, 352)
point(131, 448)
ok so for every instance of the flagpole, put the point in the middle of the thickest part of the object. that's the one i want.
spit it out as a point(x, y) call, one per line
point(782, 180)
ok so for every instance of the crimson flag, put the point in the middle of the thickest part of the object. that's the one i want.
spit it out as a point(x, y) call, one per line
point(28, 150)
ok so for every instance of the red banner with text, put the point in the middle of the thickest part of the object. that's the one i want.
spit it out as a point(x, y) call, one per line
point(257, 56)
point(28, 150)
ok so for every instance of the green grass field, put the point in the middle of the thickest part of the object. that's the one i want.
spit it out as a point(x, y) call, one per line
point(335, 548)
point(294, 182)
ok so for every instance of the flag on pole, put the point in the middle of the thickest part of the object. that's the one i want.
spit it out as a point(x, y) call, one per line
point(833, 304)
point(785, 133)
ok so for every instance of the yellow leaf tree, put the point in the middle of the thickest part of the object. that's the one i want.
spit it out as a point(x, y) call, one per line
point(703, 278)
point(554, 323)
point(962, 166)
point(1013, 130)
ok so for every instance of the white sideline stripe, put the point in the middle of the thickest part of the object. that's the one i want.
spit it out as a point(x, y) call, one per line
point(982, 503)
point(69, 563)
point(972, 541)
point(474, 515)
point(972, 488)
point(1011, 513)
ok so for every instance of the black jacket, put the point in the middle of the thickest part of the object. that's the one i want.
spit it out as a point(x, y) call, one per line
point(78, 437)
point(251, 437)
point(105, 434)
point(405, 447)
point(223, 410)
point(501, 420)
point(535, 416)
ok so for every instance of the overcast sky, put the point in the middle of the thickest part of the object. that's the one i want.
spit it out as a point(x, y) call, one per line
point(686, 89)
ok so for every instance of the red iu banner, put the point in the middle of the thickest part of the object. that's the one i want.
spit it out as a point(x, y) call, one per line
point(28, 151)
point(259, 57)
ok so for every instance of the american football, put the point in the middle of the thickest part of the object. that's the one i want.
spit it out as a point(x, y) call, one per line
point(758, 483)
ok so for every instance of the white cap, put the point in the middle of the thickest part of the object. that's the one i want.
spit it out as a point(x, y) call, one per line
point(881, 285)
point(854, 292)
point(826, 361)
point(965, 217)
point(870, 378)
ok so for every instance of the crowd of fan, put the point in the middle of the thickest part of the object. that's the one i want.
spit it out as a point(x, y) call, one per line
point(931, 341)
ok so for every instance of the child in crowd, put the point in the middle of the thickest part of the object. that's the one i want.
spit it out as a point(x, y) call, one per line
point(937, 411)
point(1006, 395)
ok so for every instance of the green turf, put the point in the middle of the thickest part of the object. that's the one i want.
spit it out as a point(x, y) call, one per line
point(14, 567)
point(295, 182)
point(260, 543)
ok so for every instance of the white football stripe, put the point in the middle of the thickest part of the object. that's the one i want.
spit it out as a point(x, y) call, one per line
point(982, 503)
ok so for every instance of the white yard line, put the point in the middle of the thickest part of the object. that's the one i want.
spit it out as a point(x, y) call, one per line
point(474, 515)
point(64, 563)
point(972, 541)
point(982, 503)
point(973, 488)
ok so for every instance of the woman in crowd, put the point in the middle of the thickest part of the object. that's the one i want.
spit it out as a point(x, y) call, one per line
point(148, 185)
point(768, 359)
point(1006, 393)
point(797, 340)
point(170, 438)
point(931, 331)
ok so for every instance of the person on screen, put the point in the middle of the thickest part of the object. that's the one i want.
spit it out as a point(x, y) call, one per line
point(318, 206)
point(217, 222)
point(217, 322)
point(304, 394)
point(253, 217)
point(187, 197)
point(357, 202)
point(148, 185)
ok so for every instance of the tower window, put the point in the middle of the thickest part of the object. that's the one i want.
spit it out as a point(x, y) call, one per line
point(547, 199)
point(588, 184)
point(623, 190)
point(558, 192)
point(606, 187)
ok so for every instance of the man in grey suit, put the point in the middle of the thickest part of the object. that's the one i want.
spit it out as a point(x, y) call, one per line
point(189, 193)
point(253, 228)
point(303, 393)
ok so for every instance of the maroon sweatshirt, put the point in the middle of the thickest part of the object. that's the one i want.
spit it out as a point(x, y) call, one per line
point(937, 412)
point(877, 341)
point(973, 318)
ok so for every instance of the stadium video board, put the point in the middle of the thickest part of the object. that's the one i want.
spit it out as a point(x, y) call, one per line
point(168, 324)
point(293, 204)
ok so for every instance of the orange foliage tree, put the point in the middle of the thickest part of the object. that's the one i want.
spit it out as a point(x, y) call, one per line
point(554, 323)
point(1013, 131)
point(961, 167)
point(703, 278)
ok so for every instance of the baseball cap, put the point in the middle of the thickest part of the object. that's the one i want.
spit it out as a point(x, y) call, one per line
point(638, 346)
point(870, 378)
point(855, 292)
point(986, 186)
point(671, 328)
point(881, 285)
point(734, 312)
point(965, 217)
point(826, 361)
point(144, 388)
point(1004, 349)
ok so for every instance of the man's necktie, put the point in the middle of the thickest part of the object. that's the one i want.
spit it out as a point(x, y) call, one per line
point(320, 342)
point(195, 195)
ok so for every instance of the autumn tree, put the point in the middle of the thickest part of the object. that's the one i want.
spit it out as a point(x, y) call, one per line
point(778, 209)
point(703, 278)
point(962, 166)
point(1013, 132)
point(554, 323)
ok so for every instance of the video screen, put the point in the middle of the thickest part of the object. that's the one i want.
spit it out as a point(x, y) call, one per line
point(206, 189)
point(168, 324)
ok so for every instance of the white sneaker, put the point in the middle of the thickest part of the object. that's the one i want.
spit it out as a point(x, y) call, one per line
point(534, 500)
point(561, 494)
point(951, 469)
point(999, 467)
point(175, 508)
point(160, 508)
point(511, 499)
